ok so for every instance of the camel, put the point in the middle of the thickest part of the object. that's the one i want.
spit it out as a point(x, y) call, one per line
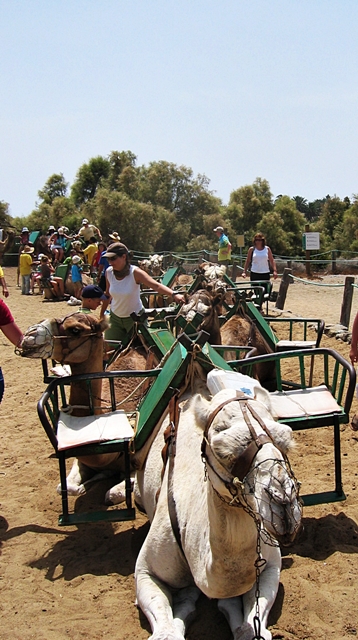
point(153, 265)
point(241, 330)
point(77, 340)
point(6, 243)
point(206, 303)
point(219, 534)
point(213, 524)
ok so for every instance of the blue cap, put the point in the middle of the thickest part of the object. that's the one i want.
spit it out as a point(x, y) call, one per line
point(93, 291)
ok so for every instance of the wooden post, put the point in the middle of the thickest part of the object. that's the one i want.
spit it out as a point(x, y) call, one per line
point(347, 301)
point(234, 271)
point(280, 302)
point(308, 255)
point(334, 261)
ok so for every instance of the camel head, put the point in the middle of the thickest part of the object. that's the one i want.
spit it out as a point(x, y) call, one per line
point(258, 478)
point(68, 340)
point(207, 304)
point(77, 333)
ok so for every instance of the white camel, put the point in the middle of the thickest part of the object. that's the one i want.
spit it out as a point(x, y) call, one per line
point(222, 515)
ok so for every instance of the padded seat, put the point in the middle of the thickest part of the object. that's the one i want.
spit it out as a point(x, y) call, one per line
point(73, 431)
point(300, 403)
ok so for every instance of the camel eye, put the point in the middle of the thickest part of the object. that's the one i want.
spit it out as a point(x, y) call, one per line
point(75, 331)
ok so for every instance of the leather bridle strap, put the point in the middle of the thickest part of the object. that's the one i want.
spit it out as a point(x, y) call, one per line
point(168, 453)
point(244, 461)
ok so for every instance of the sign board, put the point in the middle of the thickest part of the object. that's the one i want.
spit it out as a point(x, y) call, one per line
point(240, 242)
point(310, 240)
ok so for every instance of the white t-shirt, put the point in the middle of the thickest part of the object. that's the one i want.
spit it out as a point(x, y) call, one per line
point(125, 293)
point(260, 261)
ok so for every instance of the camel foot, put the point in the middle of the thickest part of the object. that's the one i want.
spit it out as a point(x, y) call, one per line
point(116, 494)
point(73, 489)
point(246, 632)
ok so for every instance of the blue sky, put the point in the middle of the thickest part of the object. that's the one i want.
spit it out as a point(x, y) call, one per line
point(234, 89)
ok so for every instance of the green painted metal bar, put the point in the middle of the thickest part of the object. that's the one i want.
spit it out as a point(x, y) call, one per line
point(117, 515)
point(262, 325)
point(169, 276)
point(157, 399)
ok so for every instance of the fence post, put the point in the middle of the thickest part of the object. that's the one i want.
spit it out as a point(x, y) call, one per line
point(347, 301)
point(334, 261)
point(280, 302)
point(234, 271)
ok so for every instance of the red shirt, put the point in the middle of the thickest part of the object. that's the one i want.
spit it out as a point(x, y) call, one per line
point(5, 314)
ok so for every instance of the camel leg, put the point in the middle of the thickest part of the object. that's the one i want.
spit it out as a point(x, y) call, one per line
point(156, 601)
point(117, 494)
point(81, 476)
point(242, 621)
point(154, 596)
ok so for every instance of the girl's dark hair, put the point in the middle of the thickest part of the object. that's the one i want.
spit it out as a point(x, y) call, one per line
point(259, 236)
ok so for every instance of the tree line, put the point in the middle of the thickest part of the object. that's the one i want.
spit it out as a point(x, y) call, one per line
point(164, 207)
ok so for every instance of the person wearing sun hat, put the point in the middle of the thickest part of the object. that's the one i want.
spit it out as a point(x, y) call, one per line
point(224, 253)
point(114, 236)
point(87, 231)
point(76, 276)
point(25, 268)
point(123, 292)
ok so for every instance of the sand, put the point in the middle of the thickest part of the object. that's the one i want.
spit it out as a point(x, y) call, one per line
point(77, 582)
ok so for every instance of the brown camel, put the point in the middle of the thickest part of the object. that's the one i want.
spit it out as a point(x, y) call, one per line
point(241, 330)
point(206, 303)
point(6, 243)
point(77, 340)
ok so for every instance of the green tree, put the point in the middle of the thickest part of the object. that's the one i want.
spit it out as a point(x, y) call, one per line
point(331, 216)
point(120, 162)
point(134, 221)
point(247, 206)
point(55, 187)
point(283, 227)
point(301, 205)
point(345, 237)
point(175, 189)
point(5, 219)
point(89, 178)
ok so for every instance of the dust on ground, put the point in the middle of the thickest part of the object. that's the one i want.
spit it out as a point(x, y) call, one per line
point(77, 582)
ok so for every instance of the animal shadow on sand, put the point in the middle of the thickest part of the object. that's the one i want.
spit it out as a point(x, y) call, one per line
point(321, 537)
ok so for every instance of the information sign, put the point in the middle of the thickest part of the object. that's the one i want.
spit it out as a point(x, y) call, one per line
point(311, 240)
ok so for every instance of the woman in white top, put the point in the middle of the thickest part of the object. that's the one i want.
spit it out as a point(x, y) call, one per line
point(259, 260)
point(123, 292)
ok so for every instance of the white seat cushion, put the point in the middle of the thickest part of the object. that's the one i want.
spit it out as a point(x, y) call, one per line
point(299, 403)
point(283, 345)
point(73, 431)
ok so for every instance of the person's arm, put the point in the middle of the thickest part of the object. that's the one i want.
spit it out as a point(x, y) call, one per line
point(106, 302)
point(141, 277)
point(272, 262)
point(99, 271)
point(5, 291)
point(13, 333)
point(99, 233)
point(247, 262)
point(353, 354)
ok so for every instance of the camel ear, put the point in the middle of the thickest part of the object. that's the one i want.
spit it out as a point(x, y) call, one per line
point(201, 408)
point(282, 436)
point(103, 324)
point(218, 298)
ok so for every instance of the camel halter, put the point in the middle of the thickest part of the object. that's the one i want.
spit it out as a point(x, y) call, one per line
point(245, 459)
point(241, 474)
point(63, 336)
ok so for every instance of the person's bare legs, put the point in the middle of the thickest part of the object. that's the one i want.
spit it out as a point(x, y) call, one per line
point(61, 285)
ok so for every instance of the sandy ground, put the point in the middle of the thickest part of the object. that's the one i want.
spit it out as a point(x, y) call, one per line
point(77, 582)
